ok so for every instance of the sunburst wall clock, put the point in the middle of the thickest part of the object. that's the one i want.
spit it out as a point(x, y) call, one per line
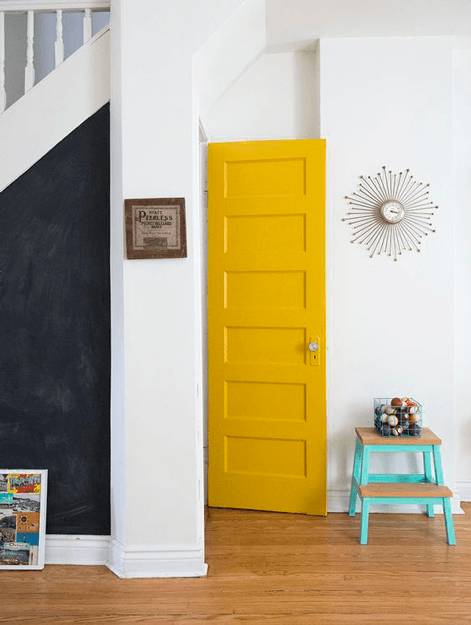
point(390, 213)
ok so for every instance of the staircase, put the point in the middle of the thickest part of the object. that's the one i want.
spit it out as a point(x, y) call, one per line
point(73, 91)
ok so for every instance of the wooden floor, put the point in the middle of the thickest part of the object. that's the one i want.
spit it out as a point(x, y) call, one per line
point(272, 569)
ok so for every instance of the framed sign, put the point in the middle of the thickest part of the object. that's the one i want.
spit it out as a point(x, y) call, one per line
point(23, 496)
point(155, 228)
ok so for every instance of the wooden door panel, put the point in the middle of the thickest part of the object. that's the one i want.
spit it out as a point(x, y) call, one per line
point(267, 435)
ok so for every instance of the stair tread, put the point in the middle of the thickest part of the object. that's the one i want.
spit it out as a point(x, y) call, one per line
point(404, 490)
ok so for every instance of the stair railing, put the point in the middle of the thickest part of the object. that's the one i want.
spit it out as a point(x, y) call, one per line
point(32, 7)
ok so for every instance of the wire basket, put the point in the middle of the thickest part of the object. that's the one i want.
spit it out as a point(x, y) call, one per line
point(397, 416)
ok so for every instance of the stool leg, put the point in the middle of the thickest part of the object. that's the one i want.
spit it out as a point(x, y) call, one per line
point(450, 531)
point(437, 457)
point(429, 476)
point(355, 476)
point(365, 465)
point(365, 511)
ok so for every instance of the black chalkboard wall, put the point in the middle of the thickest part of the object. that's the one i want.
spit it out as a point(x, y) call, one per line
point(55, 327)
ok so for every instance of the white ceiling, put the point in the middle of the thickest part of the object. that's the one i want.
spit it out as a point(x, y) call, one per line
point(293, 23)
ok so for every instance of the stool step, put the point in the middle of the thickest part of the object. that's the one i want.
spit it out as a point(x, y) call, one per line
point(405, 490)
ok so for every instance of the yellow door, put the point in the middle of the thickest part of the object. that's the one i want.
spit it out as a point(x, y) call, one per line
point(266, 304)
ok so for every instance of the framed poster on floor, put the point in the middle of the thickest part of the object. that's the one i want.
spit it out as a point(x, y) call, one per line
point(23, 495)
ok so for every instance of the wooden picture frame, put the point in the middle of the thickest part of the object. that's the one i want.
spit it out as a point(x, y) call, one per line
point(23, 500)
point(155, 228)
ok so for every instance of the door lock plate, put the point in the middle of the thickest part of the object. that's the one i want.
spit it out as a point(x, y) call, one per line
point(314, 351)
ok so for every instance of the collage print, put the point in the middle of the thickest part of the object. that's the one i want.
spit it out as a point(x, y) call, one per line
point(20, 509)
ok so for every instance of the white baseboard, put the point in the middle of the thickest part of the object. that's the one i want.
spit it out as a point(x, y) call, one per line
point(464, 490)
point(151, 561)
point(76, 549)
point(339, 501)
point(156, 561)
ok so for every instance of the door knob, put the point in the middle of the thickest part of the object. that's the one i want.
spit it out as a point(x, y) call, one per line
point(313, 347)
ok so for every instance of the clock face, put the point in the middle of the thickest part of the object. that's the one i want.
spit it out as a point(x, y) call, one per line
point(392, 211)
point(387, 213)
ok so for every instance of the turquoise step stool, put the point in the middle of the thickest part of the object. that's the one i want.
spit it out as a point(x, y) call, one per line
point(399, 488)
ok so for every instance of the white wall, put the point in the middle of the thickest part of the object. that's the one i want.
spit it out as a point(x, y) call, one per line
point(462, 172)
point(276, 98)
point(157, 444)
point(228, 53)
point(390, 324)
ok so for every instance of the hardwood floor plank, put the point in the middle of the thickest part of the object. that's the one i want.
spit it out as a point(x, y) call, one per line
point(272, 569)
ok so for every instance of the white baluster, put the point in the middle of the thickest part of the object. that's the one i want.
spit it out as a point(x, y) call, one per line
point(29, 70)
point(87, 25)
point(59, 45)
point(3, 95)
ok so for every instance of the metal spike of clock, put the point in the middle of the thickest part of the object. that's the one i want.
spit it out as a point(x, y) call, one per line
point(390, 213)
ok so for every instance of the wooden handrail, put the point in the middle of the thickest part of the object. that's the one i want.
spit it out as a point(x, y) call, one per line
point(50, 6)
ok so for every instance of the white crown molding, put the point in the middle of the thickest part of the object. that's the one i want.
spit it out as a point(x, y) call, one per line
point(54, 5)
point(77, 549)
point(339, 501)
point(156, 561)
